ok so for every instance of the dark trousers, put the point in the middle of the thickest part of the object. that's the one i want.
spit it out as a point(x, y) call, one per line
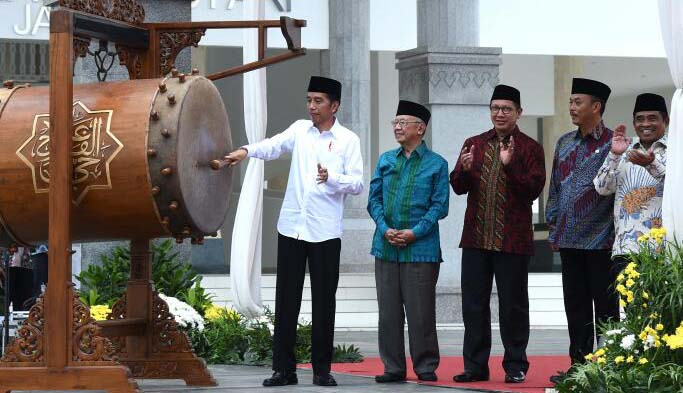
point(409, 287)
point(323, 266)
point(588, 283)
point(511, 272)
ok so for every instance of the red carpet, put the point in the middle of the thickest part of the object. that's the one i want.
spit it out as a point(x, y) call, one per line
point(541, 368)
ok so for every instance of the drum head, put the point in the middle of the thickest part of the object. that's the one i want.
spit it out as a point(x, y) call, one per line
point(203, 135)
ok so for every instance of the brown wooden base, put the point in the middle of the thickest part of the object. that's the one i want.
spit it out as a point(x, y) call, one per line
point(113, 379)
point(162, 351)
point(187, 367)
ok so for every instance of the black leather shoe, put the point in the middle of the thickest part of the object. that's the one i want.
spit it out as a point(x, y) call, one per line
point(281, 379)
point(515, 377)
point(429, 377)
point(324, 380)
point(469, 377)
point(557, 378)
point(389, 377)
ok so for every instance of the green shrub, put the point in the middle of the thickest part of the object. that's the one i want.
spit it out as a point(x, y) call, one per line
point(229, 338)
point(106, 282)
point(643, 352)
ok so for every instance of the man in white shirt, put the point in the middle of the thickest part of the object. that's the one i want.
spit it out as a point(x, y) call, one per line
point(326, 165)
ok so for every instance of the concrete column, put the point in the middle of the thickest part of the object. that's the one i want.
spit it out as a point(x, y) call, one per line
point(566, 68)
point(348, 61)
point(454, 78)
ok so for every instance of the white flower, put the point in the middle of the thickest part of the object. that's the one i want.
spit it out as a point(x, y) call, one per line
point(649, 342)
point(610, 342)
point(627, 341)
point(614, 332)
point(184, 314)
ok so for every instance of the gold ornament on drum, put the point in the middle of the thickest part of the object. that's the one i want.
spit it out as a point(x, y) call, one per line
point(94, 148)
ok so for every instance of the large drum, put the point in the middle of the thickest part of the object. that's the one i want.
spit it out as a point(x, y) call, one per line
point(141, 154)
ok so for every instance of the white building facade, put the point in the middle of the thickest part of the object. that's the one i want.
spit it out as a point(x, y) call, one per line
point(447, 54)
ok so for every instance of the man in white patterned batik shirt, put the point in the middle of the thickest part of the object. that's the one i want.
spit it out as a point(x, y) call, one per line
point(634, 171)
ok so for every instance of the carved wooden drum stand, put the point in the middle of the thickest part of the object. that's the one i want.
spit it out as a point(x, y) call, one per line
point(123, 160)
point(141, 155)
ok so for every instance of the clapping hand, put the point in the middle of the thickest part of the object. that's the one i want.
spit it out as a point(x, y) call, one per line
point(620, 142)
point(507, 151)
point(641, 158)
point(467, 158)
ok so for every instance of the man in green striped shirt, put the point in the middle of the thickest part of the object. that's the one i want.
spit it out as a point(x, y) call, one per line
point(408, 196)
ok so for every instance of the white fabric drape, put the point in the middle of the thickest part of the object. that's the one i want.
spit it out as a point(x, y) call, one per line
point(245, 256)
point(671, 21)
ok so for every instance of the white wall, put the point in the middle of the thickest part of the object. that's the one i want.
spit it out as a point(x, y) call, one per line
point(577, 27)
point(534, 76)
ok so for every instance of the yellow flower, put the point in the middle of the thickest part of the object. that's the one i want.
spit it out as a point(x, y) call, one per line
point(659, 327)
point(646, 295)
point(589, 357)
point(630, 283)
point(642, 360)
point(100, 312)
point(633, 274)
point(675, 341)
point(619, 359)
point(643, 238)
point(654, 315)
point(214, 312)
point(602, 360)
point(629, 359)
point(644, 305)
point(621, 289)
point(622, 303)
point(599, 352)
point(629, 297)
point(620, 277)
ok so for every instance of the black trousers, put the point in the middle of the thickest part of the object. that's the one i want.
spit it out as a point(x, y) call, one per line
point(407, 290)
point(590, 298)
point(511, 272)
point(323, 266)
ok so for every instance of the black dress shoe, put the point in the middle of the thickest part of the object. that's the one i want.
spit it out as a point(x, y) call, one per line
point(281, 379)
point(429, 377)
point(324, 380)
point(389, 377)
point(515, 377)
point(557, 378)
point(469, 377)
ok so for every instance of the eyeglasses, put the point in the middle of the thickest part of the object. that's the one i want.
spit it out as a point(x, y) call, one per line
point(402, 123)
point(505, 109)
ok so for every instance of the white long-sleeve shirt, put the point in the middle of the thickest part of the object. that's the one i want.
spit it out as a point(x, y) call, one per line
point(313, 212)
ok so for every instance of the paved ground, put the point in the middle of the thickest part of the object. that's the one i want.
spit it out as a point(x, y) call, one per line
point(242, 379)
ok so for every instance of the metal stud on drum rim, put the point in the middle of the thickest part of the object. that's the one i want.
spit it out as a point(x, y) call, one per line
point(191, 129)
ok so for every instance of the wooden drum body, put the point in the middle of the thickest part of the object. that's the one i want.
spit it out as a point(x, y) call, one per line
point(141, 156)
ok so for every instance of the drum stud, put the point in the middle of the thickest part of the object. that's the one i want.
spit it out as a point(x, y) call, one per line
point(173, 205)
point(171, 99)
point(179, 239)
point(181, 78)
point(200, 240)
point(165, 133)
point(174, 73)
point(151, 152)
point(186, 231)
point(155, 190)
point(165, 221)
point(167, 171)
point(195, 71)
point(155, 115)
point(8, 84)
point(162, 87)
